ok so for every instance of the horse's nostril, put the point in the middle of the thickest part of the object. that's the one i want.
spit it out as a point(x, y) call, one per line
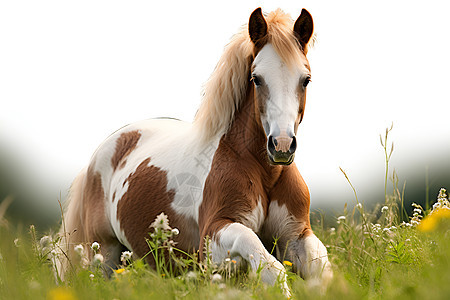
point(293, 146)
point(270, 144)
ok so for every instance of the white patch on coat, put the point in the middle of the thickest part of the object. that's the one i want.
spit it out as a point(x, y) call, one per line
point(255, 220)
point(283, 83)
point(173, 147)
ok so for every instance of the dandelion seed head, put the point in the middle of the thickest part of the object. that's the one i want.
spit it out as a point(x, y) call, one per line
point(98, 259)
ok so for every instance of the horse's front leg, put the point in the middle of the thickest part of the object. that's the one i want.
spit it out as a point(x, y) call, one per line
point(236, 239)
point(288, 222)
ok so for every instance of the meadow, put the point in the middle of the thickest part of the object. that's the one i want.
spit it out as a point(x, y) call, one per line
point(377, 252)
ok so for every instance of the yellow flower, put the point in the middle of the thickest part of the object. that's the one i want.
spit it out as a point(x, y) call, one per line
point(60, 293)
point(431, 221)
point(287, 263)
point(118, 271)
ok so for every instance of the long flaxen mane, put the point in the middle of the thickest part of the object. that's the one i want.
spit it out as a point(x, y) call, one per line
point(226, 88)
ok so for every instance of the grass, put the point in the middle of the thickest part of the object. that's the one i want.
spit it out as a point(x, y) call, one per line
point(378, 253)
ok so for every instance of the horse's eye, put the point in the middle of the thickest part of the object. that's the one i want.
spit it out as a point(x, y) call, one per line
point(256, 80)
point(307, 80)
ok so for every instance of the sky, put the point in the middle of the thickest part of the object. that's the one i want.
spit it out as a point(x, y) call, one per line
point(73, 72)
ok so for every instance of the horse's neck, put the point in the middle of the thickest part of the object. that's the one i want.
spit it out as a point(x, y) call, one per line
point(246, 136)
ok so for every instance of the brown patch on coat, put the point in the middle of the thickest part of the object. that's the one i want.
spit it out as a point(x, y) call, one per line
point(96, 226)
point(240, 174)
point(125, 144)
point(147, 196)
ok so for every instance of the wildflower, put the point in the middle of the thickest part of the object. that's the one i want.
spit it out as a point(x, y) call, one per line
point(126, 256)
point(95, 246)
point(161, 222)
point(17, 242)
point(432, 220)
point(340, 219)
point(216, 278)
point(175, 231)
point(359, 205)
point(227, 259)
point(60, 293)
point(417, 210)
point(91, 276)
point(287, 263)
point(384, 209)
point(45, 241)
point(98, 259)
point(79, 249)
point(119, 271)
point(250, 256)
point(234, 261)
point(332, 230)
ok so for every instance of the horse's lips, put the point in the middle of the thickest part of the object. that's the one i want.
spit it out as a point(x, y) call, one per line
point(281, 159)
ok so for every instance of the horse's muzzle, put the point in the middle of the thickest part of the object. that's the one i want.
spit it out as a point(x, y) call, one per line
point(281, 150)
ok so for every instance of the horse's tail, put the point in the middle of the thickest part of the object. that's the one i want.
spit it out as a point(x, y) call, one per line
point(72, 229)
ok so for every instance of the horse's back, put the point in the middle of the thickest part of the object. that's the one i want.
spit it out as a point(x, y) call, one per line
point(140, 171)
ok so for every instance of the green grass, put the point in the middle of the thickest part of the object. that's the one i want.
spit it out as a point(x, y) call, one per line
point(388, 260)
point(378, 253)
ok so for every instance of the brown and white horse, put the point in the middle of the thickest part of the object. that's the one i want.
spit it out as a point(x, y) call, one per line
point(228, 175)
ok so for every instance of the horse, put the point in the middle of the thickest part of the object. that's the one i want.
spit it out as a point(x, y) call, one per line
point(229, 175)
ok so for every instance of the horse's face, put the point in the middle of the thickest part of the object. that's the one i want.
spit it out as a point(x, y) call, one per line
point(280, 94)
point(280, 90)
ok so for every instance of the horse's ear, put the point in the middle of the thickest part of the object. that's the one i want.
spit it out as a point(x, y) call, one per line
point(257, 26)
point(304, 28)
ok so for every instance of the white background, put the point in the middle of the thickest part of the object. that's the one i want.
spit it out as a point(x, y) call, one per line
point(72, 72)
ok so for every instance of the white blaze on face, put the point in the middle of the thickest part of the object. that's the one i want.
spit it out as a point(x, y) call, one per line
point(281, 85)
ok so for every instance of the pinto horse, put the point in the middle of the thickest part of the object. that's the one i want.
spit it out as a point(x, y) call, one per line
point(228, 175)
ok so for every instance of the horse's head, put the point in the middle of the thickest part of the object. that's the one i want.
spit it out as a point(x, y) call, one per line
point(280, 74)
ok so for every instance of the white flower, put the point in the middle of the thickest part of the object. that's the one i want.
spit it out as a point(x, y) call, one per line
point(384, 209)
point(216, 278)
point(95, 246)
point(418, 210)
point(91, 276)
point(17, 242)
point(359, 205)
point(251, 256)
point(98, 259)
point(332, 230)
point(340, 219)
point(227, 259)
point(175, 231)
point(161, 222)
point(79, 249)
point(126, 256)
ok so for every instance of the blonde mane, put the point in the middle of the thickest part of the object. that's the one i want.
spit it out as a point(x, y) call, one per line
point(227, 86)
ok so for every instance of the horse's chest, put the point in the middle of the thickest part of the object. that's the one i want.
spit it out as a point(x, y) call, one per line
point(255, 219)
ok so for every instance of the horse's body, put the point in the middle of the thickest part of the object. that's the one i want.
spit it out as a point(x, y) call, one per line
point(229, 175)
